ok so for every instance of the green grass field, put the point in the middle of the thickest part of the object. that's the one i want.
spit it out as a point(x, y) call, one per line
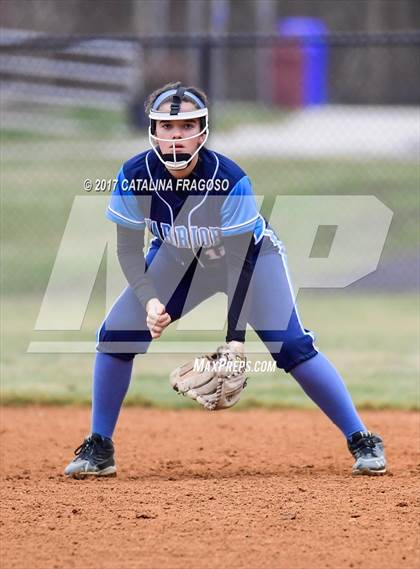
point(371, 337)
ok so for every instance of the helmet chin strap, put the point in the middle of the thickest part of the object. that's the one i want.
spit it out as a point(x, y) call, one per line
point(179, 163)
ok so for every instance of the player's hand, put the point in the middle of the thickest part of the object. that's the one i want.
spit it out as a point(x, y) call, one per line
point(157, 317)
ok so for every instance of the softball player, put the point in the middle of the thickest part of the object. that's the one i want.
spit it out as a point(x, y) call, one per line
point(208, 236)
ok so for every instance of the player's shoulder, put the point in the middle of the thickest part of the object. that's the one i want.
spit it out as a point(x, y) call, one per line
point(137, 165)
point(227, 168)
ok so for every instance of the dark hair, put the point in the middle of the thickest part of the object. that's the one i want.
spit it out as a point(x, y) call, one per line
point(194, 90)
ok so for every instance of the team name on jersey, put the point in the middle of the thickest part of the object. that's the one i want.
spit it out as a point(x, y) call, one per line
point(180, 237)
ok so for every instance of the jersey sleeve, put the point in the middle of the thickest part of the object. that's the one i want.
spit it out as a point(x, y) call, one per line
point(123, 207)
point(130, 255)
point(241, 254)
point(239, 212)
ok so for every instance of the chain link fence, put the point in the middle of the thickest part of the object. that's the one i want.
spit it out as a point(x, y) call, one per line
point(71, 110)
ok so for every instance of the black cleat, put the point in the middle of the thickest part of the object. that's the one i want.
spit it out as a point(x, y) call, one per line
point(94, 457)
point(368, 450)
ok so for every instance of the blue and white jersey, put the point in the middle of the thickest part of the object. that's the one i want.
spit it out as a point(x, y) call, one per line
point(215, 201)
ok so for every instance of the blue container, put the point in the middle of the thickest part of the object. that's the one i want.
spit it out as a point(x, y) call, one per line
point(314, 56)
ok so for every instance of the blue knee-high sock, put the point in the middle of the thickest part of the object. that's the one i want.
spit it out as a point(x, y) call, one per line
point(111, 378)
point(324, 385)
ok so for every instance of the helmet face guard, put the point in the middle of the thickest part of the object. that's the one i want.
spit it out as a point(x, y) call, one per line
point(174, 161)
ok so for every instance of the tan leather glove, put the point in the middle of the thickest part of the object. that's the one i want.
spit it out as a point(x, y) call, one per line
point(214, 380)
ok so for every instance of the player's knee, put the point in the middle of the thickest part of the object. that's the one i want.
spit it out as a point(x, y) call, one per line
point(122, 344)
point(295, 351)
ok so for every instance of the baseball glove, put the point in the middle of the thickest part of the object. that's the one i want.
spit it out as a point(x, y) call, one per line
point(214, 380)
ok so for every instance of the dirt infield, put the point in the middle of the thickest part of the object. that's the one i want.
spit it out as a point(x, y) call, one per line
point(252, 489)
